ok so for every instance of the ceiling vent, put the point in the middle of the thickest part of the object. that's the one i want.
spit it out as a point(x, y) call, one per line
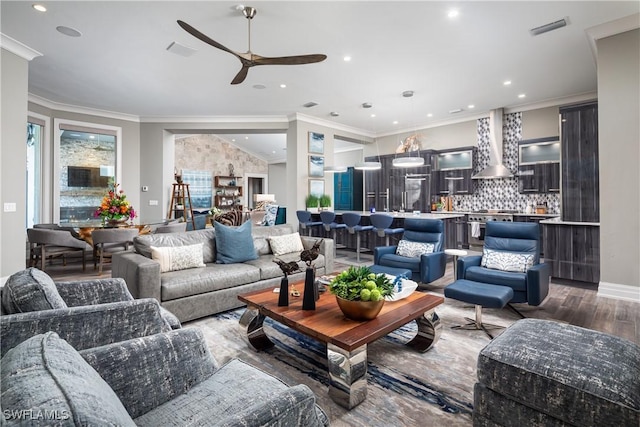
point(180, 49)
point(367, 105)
point(310, 104)
point(548, 27)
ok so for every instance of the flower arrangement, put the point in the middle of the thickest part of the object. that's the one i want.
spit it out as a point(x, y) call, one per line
point(115, 206)
point(360, 284)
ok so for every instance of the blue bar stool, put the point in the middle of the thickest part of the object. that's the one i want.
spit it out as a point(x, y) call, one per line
point(352, 221)
point(329, 224)
point(381, 224)
point(304, 218)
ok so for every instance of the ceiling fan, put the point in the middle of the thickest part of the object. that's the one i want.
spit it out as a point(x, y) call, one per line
point(249, 59)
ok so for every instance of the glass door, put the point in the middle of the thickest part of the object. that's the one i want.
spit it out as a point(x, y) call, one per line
point(417, 192)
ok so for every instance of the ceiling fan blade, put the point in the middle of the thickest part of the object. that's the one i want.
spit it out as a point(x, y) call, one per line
point(287, 60)
point(197, 34)
point(242, 74)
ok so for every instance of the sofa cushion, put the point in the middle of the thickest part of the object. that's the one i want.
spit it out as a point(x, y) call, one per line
point(517, 281)
point(286, 244)
point(231, 391)
point(45, 375)
point(507, 261)
point(398, 261)
point(213, 277)
point(413, 249)
point(178, 258)
point(143, 243)
point(30, 290)
point(234, 244)
point(580, 376)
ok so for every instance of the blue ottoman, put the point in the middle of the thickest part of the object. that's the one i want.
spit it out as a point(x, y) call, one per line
point(481, 295)
point(378, 269)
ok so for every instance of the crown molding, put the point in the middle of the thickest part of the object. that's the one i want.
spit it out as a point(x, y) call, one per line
point(611, 28)
point(20, 49)
point(330, 124)
point(217, 119)
point(58, 106)
point(554, 102)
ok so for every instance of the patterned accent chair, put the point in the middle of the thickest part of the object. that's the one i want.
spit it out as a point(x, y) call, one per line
point(419, 234)
point(510, 246)
point(167, 379)
point(86, 313)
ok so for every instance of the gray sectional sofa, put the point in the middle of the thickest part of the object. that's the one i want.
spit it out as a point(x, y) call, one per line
point(197, 292)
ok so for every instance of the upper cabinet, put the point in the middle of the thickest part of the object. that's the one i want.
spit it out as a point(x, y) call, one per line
point(539, 165)
point(452, 170)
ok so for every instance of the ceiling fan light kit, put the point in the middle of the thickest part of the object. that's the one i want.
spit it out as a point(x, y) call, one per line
point(249, 59)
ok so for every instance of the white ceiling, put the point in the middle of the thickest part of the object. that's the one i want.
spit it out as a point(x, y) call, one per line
point(120, 64)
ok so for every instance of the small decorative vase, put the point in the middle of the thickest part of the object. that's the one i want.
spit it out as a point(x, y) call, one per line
point(359, 310)
point(116, 222)
point(309, 297)
point(283, 299)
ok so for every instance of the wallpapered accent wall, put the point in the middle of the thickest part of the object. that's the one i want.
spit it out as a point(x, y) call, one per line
point(502, 193)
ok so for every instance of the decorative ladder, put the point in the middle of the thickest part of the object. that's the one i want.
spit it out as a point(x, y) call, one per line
point(180, 196)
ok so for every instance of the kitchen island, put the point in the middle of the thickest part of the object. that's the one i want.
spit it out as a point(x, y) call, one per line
point(451, 220)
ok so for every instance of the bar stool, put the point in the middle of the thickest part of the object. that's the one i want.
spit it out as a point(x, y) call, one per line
point(381, 224)
point(352, 221)
point(304, 218)
point(329, 224)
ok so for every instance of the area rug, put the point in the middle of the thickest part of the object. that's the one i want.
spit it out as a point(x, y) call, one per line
point(405, 387)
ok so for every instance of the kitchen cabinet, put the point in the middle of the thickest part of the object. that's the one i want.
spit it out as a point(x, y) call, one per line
point(572, 251)
point(580, 171)
point(539, 165)
point(452, 172)
point(347, 187)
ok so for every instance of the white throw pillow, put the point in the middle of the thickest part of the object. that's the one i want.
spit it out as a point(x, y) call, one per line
point(506, 261)
point(414, 249)
point(173, 258)
point(286, 244)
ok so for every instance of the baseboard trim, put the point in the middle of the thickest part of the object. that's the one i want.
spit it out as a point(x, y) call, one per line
point(619, 291)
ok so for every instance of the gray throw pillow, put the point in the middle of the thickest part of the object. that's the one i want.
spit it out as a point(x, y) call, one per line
point(45, 381)
point(30, 290)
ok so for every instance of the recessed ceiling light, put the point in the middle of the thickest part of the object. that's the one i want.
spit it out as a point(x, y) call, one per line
point(67, 31)
point(334, 114)
point(429, 115)
point(395, 122)
point(233, 140)
point(507, 82)
point(453, 13)
point(92, 137)
point(347, 58)
point(246, 137)
point(522, 95)
point(367, 105)
point(273, 152)
point(471, 106)
point(283, 85)
point(259, 86)
point(39, 7)
point(373, 115)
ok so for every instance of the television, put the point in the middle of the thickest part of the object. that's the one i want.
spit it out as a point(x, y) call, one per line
point(82, 176)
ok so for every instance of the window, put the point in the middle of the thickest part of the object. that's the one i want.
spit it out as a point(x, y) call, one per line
point(87, 160)
point(35, 133)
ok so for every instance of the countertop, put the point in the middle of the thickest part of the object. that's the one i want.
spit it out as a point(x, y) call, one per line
point(559, 221)
point(515, 214)
point(434, 215)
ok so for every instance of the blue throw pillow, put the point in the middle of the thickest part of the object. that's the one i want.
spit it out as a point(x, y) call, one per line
point(234, 244)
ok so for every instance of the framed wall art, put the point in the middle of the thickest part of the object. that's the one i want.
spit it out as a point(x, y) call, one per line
point(316, 187)
point(316, 166)
point(316, 143)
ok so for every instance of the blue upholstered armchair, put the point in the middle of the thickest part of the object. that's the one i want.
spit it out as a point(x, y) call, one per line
point(510, 246)
point(425, 267)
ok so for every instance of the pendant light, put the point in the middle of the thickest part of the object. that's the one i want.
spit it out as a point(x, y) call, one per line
point(409, 161)
point(367, 166)
point(335, 169)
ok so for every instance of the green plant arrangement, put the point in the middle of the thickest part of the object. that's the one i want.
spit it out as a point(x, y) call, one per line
point(311, 201)
point(325, 201)
point(360, 284)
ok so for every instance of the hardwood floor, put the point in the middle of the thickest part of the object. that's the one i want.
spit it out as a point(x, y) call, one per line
point(576, 304)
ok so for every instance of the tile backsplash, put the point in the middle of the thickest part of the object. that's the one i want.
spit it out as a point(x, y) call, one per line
point(502, 193)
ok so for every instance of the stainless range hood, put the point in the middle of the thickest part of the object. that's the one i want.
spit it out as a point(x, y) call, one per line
point(495, 169)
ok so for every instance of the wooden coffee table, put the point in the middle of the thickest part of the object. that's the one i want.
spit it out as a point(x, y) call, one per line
point(346, 339)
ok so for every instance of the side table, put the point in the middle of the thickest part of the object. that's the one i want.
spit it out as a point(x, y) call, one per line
point(455, 253)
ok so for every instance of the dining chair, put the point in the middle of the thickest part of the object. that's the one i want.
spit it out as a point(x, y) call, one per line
point(50, 243)
point(109, 240)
